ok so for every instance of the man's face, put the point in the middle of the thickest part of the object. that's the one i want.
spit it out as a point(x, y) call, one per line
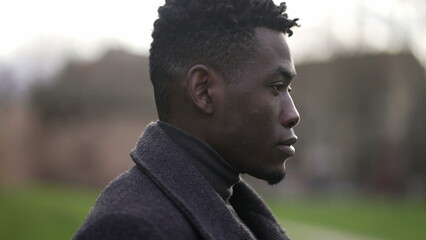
point(257, 113)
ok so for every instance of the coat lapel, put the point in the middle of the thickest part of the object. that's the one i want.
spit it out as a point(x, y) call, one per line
point(255, 214)
point(170, 168)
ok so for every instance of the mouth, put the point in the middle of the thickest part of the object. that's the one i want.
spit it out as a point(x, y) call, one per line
point(286, 146)
point(289, 141)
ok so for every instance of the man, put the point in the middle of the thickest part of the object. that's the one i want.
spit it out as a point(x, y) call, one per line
point(221, 71)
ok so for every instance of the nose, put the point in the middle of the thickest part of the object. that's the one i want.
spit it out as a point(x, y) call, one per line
point(289, 116)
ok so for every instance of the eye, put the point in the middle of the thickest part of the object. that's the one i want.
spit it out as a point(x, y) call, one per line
point(279, 87)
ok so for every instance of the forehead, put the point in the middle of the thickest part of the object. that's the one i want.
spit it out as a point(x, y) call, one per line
point(273, 44)
point(267, 37)
point(272, 53)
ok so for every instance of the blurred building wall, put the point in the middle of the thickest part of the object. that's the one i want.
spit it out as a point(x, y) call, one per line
point(16, 125)
point(362, 124)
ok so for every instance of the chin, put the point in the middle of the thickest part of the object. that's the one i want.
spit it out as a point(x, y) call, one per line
point(275, 178)
point(271, 177)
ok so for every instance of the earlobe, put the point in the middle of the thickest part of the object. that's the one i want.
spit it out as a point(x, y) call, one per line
point(198, 82)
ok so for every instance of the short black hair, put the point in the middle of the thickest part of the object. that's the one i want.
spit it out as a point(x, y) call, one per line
point(217, 33)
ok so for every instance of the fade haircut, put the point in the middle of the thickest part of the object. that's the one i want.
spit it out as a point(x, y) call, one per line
point(217, 33)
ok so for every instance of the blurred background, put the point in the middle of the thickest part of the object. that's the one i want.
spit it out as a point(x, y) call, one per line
point(75, 95)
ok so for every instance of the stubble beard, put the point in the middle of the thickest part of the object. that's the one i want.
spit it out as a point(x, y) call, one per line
point(275, 178)
point(271, 178)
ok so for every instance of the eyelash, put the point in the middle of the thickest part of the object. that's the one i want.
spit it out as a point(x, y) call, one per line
point(278, 87)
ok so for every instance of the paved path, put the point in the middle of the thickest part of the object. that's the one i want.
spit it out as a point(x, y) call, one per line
point(301, 231)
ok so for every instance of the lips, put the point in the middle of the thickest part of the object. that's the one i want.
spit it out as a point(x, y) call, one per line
point(289, 141)
point(286, 146)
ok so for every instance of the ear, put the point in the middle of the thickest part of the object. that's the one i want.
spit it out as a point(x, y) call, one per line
point(199, 80)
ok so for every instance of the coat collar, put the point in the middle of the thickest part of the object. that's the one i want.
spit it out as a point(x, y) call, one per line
point(168, 166)
point(216, 170)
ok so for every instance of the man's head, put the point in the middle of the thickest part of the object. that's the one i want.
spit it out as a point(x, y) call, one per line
point(221, 70)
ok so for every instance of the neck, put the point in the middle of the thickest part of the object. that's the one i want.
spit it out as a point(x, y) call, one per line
point(218, 172)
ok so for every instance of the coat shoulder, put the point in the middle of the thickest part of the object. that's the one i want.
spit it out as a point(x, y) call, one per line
point(118, 226)
point(135, 206)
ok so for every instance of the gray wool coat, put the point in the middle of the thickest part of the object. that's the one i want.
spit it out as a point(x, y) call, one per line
point(164, 197)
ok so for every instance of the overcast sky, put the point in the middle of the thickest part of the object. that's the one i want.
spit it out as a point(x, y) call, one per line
point(44, 31)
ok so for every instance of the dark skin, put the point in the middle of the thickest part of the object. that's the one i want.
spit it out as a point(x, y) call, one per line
point(249, 121)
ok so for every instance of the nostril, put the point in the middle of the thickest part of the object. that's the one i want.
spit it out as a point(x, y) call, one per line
point(292, 124)
point(293, 121)
point(290, 115)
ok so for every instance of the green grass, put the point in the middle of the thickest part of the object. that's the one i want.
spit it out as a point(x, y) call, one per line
point(49, 212)
point(43, 212)
point(385, 219)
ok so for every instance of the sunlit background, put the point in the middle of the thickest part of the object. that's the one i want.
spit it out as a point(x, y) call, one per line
point(75, 95)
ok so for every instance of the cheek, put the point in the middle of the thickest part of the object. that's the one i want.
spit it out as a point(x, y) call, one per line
point(252, 117)
point(264, 116)
point(260, 128)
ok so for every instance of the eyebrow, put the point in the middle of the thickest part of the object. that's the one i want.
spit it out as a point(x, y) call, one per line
point(285, 72)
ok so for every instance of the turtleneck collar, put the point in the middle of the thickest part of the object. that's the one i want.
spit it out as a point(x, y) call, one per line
point(218, 172)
